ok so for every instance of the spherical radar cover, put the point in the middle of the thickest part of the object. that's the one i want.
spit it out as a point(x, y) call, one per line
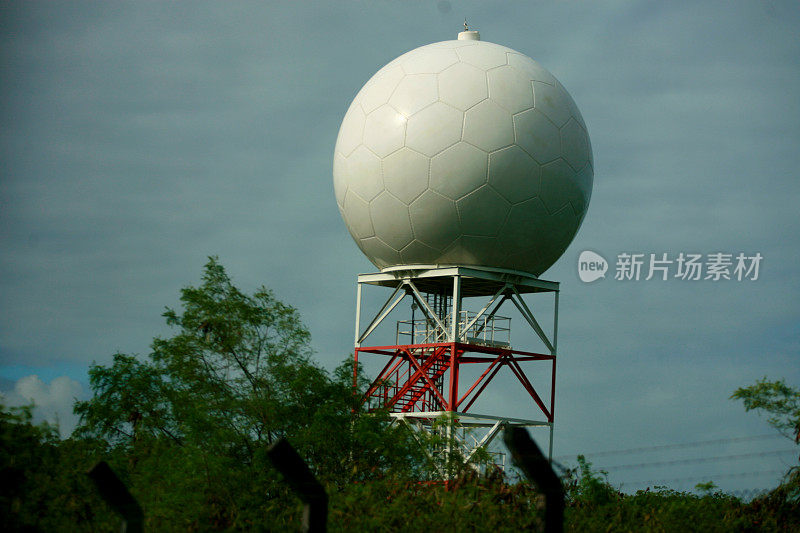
point(463, 153)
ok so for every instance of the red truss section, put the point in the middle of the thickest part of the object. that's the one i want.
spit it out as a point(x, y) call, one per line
point(425, 377)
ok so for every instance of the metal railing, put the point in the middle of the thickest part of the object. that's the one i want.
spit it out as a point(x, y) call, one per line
point(486, 330)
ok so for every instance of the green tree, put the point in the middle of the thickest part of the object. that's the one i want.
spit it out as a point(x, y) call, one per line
point(191, 421)
point(780, 401)
point(585, 485)
point(235, 370)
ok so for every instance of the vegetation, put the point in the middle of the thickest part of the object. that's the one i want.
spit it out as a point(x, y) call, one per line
point(43, 483)
point(594, 505)
point(780, 401)
point(187, 428)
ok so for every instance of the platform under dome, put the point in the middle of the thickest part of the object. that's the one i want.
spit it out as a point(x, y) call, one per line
point(463, 152)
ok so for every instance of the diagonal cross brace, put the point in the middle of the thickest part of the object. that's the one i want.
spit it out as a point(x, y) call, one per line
point(472, 322)
point(387, 308)
point(518, 372)
point(422, 371)
point(487, 439)
point(430, 313)
point(480, 379)
point(528, 315)
point(415, 397)
point(383, 375)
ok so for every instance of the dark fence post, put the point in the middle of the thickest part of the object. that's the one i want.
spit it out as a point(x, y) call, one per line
point(529, 458)
point(303, 483)
point(116, 495)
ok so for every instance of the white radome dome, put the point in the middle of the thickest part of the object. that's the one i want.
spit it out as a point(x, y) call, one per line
point(463, 153)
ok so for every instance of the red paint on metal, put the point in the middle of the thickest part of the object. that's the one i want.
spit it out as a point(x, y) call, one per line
point(413, 380)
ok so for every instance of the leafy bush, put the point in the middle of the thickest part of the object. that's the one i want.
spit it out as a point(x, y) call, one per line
point(594, 505)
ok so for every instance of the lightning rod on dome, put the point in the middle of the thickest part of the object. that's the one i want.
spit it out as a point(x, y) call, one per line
point(467, 34)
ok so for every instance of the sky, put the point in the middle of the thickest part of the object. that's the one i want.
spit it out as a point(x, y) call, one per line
point(139, 138)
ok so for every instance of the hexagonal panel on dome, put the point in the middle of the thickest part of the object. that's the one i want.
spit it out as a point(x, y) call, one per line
point(434, 219)
point(391, 221)
point(522, 227)
point(480, 250)
point(558, 231)
point(381, 254)
point(530, 67)
point(574, 144)
point(514, 174)
point(356, 212)
point(434, 128)
point(380, 87)
point(429, 60)
point(510, 88)
point(553, 101)
point(574, 112)
point(459, 170)
point(538, 136)
point(484, 55)
point(405, 174)
point(419, 253)
point(462, 86)
point(488, 126)
point(415, 92)
point(525, 261)
point(472, 250)
point(583, 179)
point(364, 173)
point(483, 212)
point(559, 186)
point(384, 130)
point(352, 130)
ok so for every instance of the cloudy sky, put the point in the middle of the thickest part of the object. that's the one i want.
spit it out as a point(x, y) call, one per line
point(139, 138)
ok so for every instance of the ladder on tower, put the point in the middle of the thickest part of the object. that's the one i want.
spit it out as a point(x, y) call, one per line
point(422, 390)
point(406, 386)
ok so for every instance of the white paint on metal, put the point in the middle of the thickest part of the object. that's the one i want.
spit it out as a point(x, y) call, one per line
point(358, 316)
point(455, 334)
point(488, 304)
point(487, 439)
point(555, 323)
point(430, 313)
point(528, 316)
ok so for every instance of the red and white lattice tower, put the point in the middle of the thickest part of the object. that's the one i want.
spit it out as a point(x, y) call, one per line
point(421, 379)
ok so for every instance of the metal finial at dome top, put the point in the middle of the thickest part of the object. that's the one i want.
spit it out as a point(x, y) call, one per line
point(466, 27)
